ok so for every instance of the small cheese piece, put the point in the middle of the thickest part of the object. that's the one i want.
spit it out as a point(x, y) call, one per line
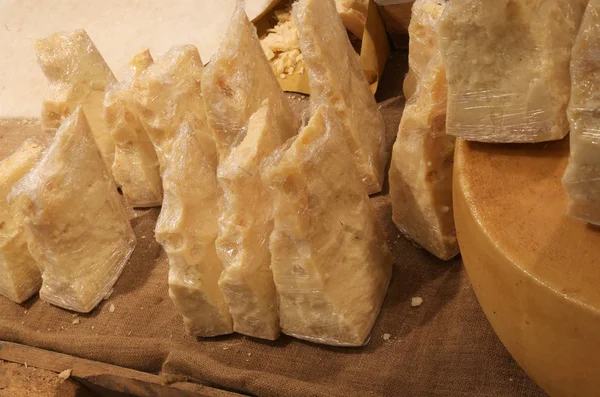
point(337, 80)
point(77, 75)
point(330, 261)
point(135, 167)
point(236, 83)
point(354, 15)
point(19, 275)
point(77, 228)
point(582, 177)
point(281, 45)
point(507, 64)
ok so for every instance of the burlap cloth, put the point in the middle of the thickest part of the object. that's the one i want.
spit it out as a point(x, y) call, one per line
point(443, 348)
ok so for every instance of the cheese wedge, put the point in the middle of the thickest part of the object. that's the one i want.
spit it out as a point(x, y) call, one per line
point(135, 167)
point(77, 76)
point(77, 228)
point(330, 260)
point(236, 83)
point(168, 95)
point(337, 80)
point(354, 15)
point(582, 177)
point(20, 277)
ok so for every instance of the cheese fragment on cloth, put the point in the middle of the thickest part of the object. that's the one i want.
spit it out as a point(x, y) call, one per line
point(135, 167)
point(582, 177)
point(337, 80)
point(422, 159)
point(77, 76)
point(20, 276)
point(330, 260)
point(77, 228)
point(168, 94)
point(236, 83)
point(507, 64)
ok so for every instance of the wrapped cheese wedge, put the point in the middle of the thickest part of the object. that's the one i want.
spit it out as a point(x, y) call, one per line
point(77, 228)
point(422, 159)
point(337, 80)
point(330, 260)
point(168, 95)
point(77, 76)
point(507, 64)
point(20, 276)
point(582, 177)
point(135, 167)
point(237, 81)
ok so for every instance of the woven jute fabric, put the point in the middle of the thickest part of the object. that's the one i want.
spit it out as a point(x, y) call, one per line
point(445, 347)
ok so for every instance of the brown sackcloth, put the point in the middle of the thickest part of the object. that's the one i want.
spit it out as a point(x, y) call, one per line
point(443, 348)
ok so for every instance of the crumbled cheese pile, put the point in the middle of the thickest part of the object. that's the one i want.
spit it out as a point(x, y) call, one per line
point(282, 45)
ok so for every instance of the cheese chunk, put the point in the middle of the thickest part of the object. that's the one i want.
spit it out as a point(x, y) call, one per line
point(582, 177)
point(168, 95)
point(354, 15)
point(135, 167)
point(77, 228)
point(237, 81)
point(337, 80)
point(19, 275)
point(507, 64)
point(77, 75)
point(330, 261)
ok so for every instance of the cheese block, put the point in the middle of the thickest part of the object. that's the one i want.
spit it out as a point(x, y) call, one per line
point(507, 64)
point(337, 80)
point(187, 229)
point(330, 260)
point(423, 46)
point(354, 15)
point(20, 277)
point(237, 81)
point(77, 228)
point(582, 176)
point(135, 167)
point(77, 75)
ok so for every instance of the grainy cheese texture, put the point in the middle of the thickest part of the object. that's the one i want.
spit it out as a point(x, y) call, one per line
point(422, 158)
point(507, 64)
point(582, 177)
point(337, 80)
point(77, 228)
point(77, 76)
point(20, 277)
point(168, 95)
point(135, 167)
point(330, 260)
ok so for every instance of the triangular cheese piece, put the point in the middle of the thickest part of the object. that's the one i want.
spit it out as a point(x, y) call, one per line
point(78, 230)
point(582, 177)
point(135, 168)
point(337, 80)
point(77, 75)
point(20, 276)
point(330, 260)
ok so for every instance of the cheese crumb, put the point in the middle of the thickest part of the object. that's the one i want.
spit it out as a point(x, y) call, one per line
point(386, 337)
point(416, 301)
point(76, 321)
point(281, 45)
point(66, 374)
point(111, 308)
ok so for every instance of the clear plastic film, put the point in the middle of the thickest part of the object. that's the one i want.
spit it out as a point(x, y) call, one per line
point(422, 158)
point(77, 228)
point(20, 277)
point(507, 64)
point(337, 80)
point(330, 260)
point(582, 176)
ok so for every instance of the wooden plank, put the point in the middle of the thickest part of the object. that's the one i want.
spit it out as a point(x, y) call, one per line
point(110, 377)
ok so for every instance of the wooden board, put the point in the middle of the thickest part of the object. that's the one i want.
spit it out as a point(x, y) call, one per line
point(536, 271)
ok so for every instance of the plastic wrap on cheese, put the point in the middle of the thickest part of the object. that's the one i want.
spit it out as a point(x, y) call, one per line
point(135, 167)
point(330, 260)
point(420, 174)
point(20, 276)
point(337, 80)
point(507, 64)
point(582, 177)
point(77, 76)
point(237, 81)
point(77, 228)
point(354, 15)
